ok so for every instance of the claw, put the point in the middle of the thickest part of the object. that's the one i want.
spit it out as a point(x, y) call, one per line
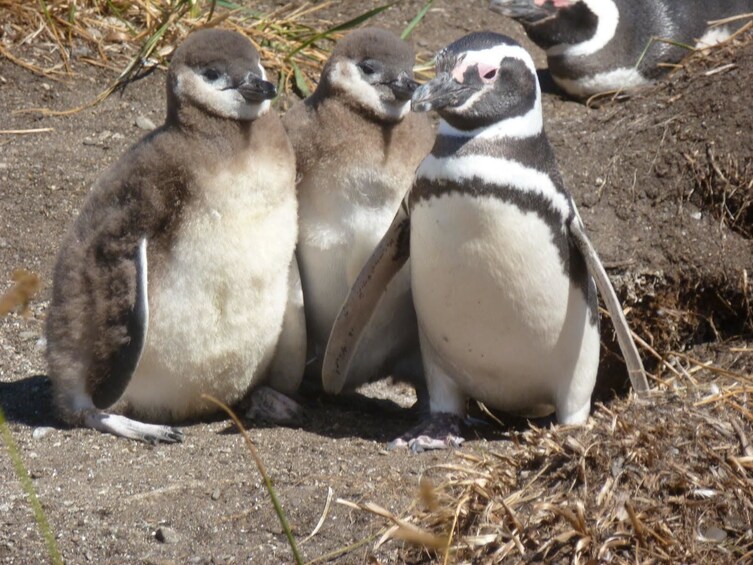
point(439, 431)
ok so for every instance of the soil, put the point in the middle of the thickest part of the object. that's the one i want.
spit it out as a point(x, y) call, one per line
point(663, 182)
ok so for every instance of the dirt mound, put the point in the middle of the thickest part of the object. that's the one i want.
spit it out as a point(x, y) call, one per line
point(665, 185)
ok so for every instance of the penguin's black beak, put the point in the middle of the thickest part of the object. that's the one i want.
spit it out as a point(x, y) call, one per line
point(256, 89)
point(525, 10)
point(403, 86)
point(438, 93)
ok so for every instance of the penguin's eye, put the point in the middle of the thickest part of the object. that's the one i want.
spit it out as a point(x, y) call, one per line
point(487, 72)
point(211, 74)
point(369, 67)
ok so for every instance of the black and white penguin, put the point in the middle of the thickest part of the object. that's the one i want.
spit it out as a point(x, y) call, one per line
point(502, 271)
point(178, 277)
point(357, 147)
point(595, 46)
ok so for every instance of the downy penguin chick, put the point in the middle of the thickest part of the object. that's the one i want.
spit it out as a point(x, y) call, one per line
point(179, 272)
point(357, 147)
point(595, 46)
point(502, 272)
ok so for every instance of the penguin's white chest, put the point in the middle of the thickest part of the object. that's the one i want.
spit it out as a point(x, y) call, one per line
point(494, 301)
point(218, 296)
point(339, 229)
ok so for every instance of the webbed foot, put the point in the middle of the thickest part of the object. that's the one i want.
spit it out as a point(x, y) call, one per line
point(269, 406)
point(440, 430)
point(131, 429)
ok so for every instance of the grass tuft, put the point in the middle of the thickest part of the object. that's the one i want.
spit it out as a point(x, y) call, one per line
point(26, 484)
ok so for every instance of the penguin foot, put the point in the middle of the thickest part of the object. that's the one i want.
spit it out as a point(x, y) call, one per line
point(439, 431)
point(131, 429)
point(269, 406)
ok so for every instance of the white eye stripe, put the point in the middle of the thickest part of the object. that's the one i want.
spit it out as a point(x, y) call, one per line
point(608, 16)
point(494, 56)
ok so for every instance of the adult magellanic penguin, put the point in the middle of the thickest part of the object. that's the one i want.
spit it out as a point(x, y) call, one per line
point(595, 46)
point(357, 147)
point(502, 271)
point(178, 277)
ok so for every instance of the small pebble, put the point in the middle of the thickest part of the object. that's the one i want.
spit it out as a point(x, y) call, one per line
point(713, 534)
point(166, 535)
point(142, 122)
point(216, 494)
point(42, 431)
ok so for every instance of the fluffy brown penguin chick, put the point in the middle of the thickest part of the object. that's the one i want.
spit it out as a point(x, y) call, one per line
point(178, 277)
point(357, 147)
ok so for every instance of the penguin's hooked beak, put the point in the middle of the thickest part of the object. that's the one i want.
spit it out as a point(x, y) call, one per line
point(403, 86)
point(438, 93)
point(528, 11)
point(256, 89)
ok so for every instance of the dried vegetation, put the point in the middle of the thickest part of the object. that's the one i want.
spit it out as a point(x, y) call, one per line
point(133, 36)
point(668, 479)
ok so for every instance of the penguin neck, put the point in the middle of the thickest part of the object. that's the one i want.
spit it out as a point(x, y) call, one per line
point(531, 150)
point(326, 96)
point(198, 124)
point(530, 124)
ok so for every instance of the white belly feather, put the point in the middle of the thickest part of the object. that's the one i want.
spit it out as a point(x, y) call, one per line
point(492, 297)
point(217, 302)
point(339, 229)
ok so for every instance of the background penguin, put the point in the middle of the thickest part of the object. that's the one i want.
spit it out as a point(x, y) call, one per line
point(176, 276)
point(357, 147)
point(595, 46)
point(499, 260)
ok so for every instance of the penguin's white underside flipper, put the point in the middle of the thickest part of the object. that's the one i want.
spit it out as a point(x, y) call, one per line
point(633, 361)
point(385, 262)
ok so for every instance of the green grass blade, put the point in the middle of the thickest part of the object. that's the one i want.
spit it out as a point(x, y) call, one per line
point(26, 484)
point(267, 481)
point(660, 40)
point(300, 80)
point(237, 7)
point(358, 20)
point(415, 21)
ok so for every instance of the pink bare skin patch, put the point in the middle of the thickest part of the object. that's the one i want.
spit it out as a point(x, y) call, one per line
point(486, 71)
point(555, 3)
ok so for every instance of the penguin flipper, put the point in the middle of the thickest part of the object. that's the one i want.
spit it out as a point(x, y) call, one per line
point(389, 256)
point(289, 362)
point(633, 361)
point(113, 368)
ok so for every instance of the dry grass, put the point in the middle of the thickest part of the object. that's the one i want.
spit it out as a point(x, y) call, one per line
point(134, 36)
point(723, 181)
point(25, 286)
point(667, 479)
